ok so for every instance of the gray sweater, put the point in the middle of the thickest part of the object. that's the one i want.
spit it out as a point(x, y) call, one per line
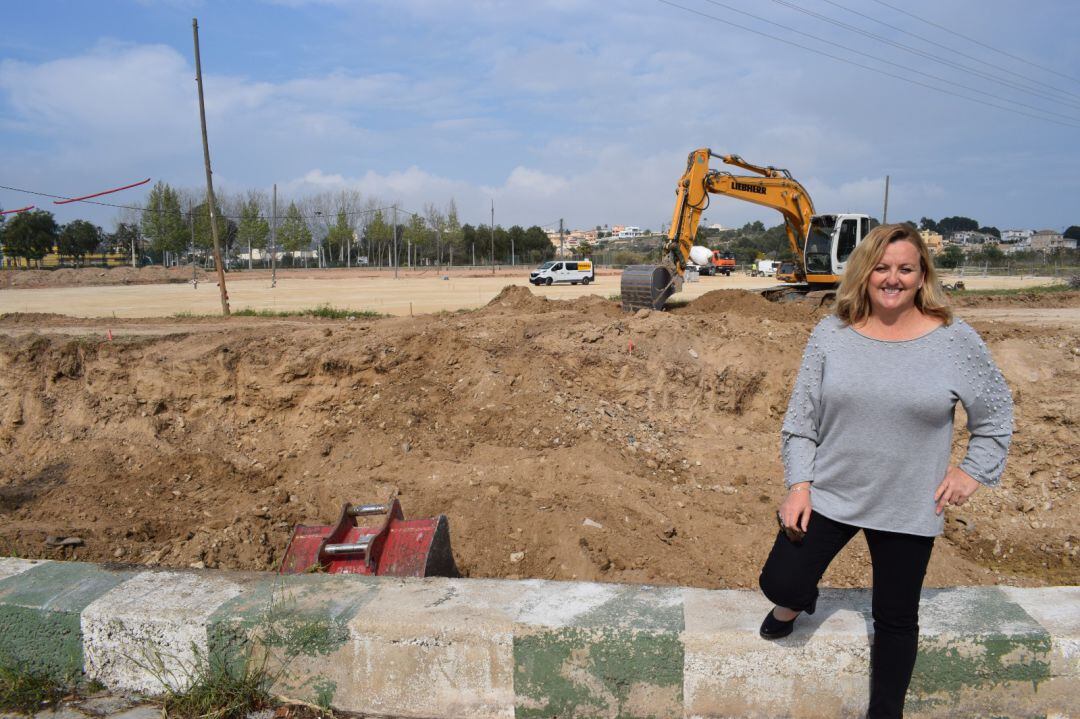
point(870, 423)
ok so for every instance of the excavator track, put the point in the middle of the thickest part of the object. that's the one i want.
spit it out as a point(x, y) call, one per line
point(645, 287)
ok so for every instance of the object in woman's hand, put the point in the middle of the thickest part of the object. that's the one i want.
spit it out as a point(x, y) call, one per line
point(793, 534)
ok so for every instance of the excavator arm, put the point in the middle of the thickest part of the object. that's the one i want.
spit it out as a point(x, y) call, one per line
point(646, 286)
point(772, 187)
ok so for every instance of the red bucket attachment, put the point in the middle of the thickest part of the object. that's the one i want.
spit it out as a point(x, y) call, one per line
point(398, 548)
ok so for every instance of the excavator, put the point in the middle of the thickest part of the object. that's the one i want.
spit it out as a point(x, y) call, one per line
point(821, 243)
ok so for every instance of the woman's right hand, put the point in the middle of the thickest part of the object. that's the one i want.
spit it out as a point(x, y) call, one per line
point(795, 509)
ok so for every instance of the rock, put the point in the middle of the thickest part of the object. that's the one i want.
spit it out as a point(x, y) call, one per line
point(118, 552)
point(693, 353)
point(670, 531)
point(643, 313)
point(198, 565)
point(590, 523)
point(516, 557)
point(406, 447)
point(591, 336)
point(51, 541)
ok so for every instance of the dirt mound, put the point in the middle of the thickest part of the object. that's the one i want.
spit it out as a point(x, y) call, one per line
point(562, 439)
point(1047, 300)
point(752, 304)
point(516, 299)
point(84, 276)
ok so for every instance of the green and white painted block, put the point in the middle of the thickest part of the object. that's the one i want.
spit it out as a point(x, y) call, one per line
point(10, 566)
point(435, 647)
point(40, 614)
point(149, 633)
point(599, 650)
point(821, 670)
point(979, 653)
point(1057, 610)
point(299, 624)
point(488, 648)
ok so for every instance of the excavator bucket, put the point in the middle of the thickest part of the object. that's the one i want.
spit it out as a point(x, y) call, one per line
point(645, 287)
point(398, 547)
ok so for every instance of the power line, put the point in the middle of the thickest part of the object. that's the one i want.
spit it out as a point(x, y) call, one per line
point(925, 54)
point(950, 49)
point(875, 69)
point(977, 42)
point(136, 208)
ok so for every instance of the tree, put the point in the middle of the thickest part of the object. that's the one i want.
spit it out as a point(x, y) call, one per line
point(991, 231)
point(517, 241)
point(30, 235)
point(950, 225)
point(339, 236)
point(414, 235)
point(1073, 233)
point(293, 234)
point(163, 223)
point(989, 254)
point(583, 250)
point(468, 240)
point(378, 233)
point(253, 231)
point(78, 239)
point(536, 246)
point(204, 236)
point(952, 257)
point(124, 238)
point(928, 224)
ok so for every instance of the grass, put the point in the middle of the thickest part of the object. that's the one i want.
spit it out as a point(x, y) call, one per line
point(26, 692)
point(219, 687)
point(1036, 290)
point(325, 311)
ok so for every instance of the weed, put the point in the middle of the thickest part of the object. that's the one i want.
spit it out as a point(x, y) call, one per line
point(1037, 290)
point(325, 311)
point(25, 692)
point(615, 297)
point(217, 686)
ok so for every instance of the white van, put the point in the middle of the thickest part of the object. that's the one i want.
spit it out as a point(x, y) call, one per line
point(572, 271)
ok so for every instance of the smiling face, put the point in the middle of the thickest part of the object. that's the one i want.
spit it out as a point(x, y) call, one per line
point(895, 279)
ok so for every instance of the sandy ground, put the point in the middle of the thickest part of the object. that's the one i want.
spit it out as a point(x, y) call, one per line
point(202, 442)
point(413, 292)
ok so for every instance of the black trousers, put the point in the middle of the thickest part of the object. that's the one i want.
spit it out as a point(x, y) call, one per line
point(792, 572)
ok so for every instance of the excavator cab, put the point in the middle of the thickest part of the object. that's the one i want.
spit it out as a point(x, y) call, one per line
point(821, 244)
point(829, 243)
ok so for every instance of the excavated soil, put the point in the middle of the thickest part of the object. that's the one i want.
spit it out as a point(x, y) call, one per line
point(562, 439)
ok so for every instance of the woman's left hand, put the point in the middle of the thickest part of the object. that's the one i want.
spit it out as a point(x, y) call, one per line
point(957, 486)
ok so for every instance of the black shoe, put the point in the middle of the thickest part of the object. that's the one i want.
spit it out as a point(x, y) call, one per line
point(773, 628)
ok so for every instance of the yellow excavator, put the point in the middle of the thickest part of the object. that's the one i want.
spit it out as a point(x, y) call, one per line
point(821, 243)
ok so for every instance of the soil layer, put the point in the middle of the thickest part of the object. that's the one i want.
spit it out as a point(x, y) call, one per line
point(562, 439)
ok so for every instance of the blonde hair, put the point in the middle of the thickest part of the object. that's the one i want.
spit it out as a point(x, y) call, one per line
point(853, 297)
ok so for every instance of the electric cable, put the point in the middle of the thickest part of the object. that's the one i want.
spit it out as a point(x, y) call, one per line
point(874, 69)
point(136, 208)
point(977, 42)
point(924, 54)
point(950, 49)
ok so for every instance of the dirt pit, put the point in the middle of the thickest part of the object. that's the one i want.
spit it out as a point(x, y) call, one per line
point(562, 439)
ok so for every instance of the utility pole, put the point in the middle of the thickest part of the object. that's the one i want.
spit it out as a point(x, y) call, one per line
point(191, 224)
point(885, 212)
point(395, 260)
point(273, 239)
point(209, 174)
point(561, 253)
point(493, 236)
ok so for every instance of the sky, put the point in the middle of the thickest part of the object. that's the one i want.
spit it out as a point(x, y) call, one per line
point(576, 109)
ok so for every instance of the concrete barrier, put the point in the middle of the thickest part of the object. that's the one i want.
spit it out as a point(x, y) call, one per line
point(491, 648)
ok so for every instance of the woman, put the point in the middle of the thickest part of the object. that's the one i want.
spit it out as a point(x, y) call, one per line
point(866, 442)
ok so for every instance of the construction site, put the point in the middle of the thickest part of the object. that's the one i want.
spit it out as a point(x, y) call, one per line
point(563, 439)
